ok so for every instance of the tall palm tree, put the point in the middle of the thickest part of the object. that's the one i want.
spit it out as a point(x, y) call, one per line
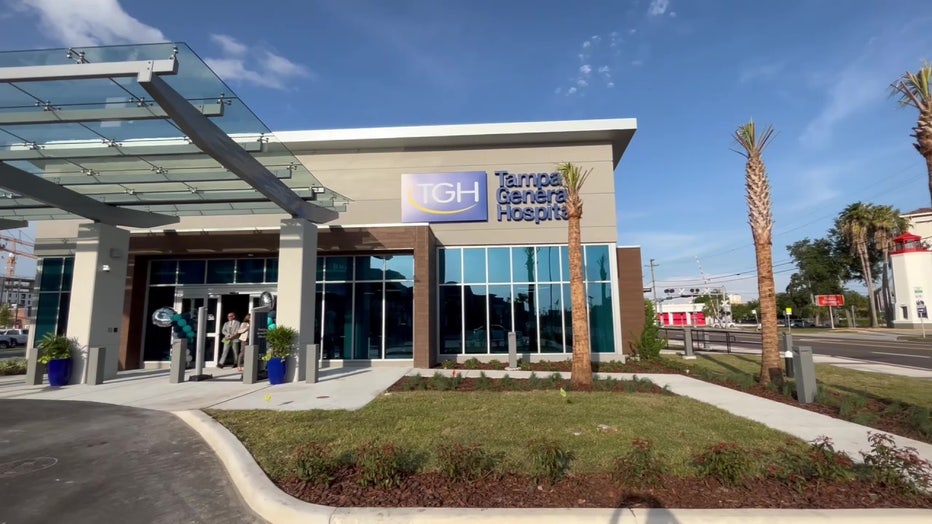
point(573, 180)
point(760, 217)
point(887, 224)
point(856, 224)
point(913, 90)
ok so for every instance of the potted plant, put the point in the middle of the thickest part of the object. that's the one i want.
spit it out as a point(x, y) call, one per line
point(279, 343)
point(55, 352)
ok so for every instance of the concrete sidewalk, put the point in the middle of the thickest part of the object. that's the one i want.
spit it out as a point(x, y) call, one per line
point(338, 388)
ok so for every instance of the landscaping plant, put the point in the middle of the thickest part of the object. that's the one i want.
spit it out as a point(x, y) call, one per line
point(726, 462)
point(316, 464)
point(549, 460)
point(640, 466)
point(383, 465)
point(458, 461)
point(900, 468)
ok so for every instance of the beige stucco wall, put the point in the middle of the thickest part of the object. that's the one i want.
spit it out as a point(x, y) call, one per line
point(373, 182)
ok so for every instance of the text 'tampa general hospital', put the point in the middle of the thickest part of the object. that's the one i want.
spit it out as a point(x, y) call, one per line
point(153, 185)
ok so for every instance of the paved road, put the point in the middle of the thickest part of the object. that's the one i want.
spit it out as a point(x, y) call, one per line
point(83, 462)
point(873, 348)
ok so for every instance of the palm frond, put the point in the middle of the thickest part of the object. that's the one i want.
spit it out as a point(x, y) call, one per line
point(574, 177)
point(750, 141)
point(914, 89)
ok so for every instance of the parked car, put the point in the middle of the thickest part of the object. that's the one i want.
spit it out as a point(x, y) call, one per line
point(6, 341)
point(17, 337)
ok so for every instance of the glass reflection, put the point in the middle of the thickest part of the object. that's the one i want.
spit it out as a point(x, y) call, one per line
point(451, 319)
point(525, 317)
point(551, 318)
point(474, 300)
point(399, 320)
point(499, 317)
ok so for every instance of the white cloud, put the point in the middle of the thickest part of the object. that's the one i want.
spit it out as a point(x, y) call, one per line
point(229, 45)
point(571, 91)
point(585, 69)
point(604, 69)
point(582, 83)
point(658, 7)
point(610, 85)
point(587, 44)
point(89, 22)
point(261, 68)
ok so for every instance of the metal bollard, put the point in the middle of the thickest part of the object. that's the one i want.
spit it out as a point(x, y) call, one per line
point(788, 355)
point(34, 370)
point(312, 369)
point(251, 364)
point(512, 350)
point(96, 363)
point(688, 344)
point(179, 360)
point(804, 369)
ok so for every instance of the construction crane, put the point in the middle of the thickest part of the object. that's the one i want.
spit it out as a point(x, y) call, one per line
point(12, 246)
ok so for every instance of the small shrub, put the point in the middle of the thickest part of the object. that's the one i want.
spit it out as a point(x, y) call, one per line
point(13, 366)
point(726, 462)
point(508, 383)
point(483, 383)
point(534, 382)
point(818, 462)
point(893, 408)
point(604, 384)
point(316, 464)
point(525, 366)
point(825, 398)
point(382, 465)
point(650, 343)
point(466, 461)
point(448, 364)
point(640, 466)
point(456, 380)
point(899, 468)
point(496, 364)
point(919, 418)
point(865, 418)
point(441, 382)
point(549, 460)
point(554, 380)
point(850, 405)
point(472, 363)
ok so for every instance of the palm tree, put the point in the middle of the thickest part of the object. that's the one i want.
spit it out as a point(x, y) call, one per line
point(913, 90)
point(887, 224)
point(760, 217)
point(856, 225)
point(573, 180)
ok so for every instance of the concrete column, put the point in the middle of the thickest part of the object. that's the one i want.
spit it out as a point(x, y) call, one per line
point(97, 291)
point(297, 274)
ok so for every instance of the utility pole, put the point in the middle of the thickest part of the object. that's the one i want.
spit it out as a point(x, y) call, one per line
point(653, 281)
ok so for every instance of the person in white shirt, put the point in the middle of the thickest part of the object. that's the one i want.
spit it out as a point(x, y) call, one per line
point(243, 332)
point(230, 332)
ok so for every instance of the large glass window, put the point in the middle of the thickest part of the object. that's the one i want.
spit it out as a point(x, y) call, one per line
point(55, 276)
point(485, 293)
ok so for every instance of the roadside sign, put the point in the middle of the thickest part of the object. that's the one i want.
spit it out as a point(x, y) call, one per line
point(921, 309)
point(789, 311)
point(830, 300)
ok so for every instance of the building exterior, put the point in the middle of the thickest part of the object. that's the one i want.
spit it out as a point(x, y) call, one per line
point(385, 245)
point(681, 312)
point(911, 261)
point(920, 222)
point(392, 284)
point(16, 292)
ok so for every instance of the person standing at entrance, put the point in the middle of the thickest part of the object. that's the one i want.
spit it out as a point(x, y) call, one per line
point(243, 334)
point(230, 332)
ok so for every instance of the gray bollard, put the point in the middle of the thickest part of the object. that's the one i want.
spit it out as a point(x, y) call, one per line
point(688, 343)
point(804, 370)
point(179, 359)
point(250, 364)
point(312, 364)
point(512, 350)
point(788, 355)
point(96, 363)
point(34, 370)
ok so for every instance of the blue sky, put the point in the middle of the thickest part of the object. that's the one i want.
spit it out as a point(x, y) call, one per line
point(689, 71)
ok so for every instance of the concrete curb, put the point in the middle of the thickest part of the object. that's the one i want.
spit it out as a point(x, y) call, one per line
point(275, 506)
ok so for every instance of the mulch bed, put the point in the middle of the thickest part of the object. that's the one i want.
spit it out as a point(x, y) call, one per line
point(597, 491)
point(542, 383)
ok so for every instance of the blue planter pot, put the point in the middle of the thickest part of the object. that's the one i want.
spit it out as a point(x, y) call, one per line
point(59, 371)
point(276, 369)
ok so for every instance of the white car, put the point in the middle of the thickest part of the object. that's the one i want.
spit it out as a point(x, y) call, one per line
point(17, 337)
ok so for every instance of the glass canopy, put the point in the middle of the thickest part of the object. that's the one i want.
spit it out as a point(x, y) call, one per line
point(106, 138)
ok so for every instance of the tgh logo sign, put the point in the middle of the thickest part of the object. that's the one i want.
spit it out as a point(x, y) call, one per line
point(444, 197)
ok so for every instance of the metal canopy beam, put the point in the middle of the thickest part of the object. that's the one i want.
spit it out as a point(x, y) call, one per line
point(213, 141)
point(123, 149)
point(22, 183)
point(85, 71)
point(6, 223)
point(60, 116)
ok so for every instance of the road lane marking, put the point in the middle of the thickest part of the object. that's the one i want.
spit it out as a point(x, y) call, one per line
point(864, 345)
point(901, 354)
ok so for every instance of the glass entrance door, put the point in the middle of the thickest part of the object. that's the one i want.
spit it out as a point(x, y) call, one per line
point(188, 302)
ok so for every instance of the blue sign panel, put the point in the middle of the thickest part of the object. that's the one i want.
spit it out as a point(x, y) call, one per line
point(444, 197)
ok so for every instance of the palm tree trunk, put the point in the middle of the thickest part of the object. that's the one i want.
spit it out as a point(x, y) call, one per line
point(869, 282)
point(582, 361)
point(929, 171)
point(770, 352)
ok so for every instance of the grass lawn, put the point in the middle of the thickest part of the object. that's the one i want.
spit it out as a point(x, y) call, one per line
point(906, 390)
point(503, 422)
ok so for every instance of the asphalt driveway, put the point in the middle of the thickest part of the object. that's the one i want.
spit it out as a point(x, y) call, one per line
point(83, 462)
